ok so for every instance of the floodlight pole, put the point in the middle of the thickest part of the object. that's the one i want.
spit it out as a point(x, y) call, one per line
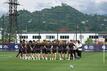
point(12, 19)
point(2, 30)
point(76, 30)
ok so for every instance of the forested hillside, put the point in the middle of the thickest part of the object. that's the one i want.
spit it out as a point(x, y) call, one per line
point(59, 18)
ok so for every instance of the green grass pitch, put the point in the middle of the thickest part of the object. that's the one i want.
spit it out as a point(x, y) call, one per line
point(90, 61)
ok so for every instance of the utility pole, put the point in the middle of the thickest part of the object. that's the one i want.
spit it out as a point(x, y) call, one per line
point(12, 28)
point(76, 31)
point(3, 31)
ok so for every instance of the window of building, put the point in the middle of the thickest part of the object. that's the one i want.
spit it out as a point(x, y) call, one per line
point(23, 37)
point(93, 37)
point(50, 37)
point(36, 37)
point(104, 36)
point(64, 37)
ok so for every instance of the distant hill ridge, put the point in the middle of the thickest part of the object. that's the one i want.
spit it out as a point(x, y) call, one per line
point(59, 18)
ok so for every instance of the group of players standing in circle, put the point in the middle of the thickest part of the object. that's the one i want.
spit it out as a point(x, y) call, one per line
point(46, 50)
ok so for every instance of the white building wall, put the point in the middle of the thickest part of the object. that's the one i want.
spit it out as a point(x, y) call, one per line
point(43, 36)
point(72, 36)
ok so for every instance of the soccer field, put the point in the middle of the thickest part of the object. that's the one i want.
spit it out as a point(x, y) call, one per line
point(90, 61)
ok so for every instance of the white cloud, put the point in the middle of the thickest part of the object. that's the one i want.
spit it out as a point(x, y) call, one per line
point(87, 6)
point(33, 5)
point(3, 5)
point(100, 1)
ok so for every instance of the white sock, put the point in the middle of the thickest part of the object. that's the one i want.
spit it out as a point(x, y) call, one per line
point(46, 58)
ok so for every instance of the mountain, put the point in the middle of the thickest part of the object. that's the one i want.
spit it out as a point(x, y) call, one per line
point(60, 19)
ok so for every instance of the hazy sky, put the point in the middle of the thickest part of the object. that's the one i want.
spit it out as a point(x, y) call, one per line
point(86, 6)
